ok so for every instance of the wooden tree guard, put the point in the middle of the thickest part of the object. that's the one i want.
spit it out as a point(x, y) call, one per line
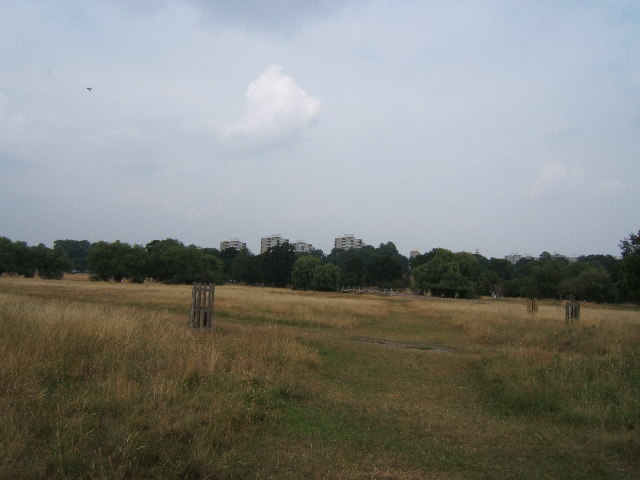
point(572, 312)
point(532, 305)
point(202, 306)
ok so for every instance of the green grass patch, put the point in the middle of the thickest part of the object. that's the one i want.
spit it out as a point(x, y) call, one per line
point(596, 391)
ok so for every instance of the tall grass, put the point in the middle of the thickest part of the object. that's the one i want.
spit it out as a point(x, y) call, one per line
point(104, 380)
point(88, 389)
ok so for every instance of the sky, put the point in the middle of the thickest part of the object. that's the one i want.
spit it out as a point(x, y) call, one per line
point(497, 126)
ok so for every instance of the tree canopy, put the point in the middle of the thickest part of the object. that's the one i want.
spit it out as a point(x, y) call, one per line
point(601, 278)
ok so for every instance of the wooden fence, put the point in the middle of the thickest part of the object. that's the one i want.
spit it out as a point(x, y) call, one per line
point(572, 312)
point(202, 306)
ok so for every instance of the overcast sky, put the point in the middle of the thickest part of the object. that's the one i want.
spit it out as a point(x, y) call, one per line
point(493, 125)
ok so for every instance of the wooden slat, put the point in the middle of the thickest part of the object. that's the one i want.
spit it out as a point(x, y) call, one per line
point(202, 299)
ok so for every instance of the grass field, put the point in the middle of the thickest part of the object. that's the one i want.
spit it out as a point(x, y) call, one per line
point(105, 380)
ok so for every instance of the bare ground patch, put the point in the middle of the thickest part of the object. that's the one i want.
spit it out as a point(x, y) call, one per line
point(407, 345)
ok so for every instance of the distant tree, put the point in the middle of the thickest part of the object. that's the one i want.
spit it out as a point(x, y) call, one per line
point(316, 252)
point(227, 256)
point(170, 261)
point(105, 261)
point(50, 263)
point(277, 265)
point(383, 271)
point(490, 283)
point(251, 268)
point(326, 278)
point(7, 260)
point(241, 267)
point(382, 266)
point(545, 256)
point(630, 266)
point(117, 261)
point(543, 278)
point(162, 255)
point(418, 260)
point(447, 274)
point(469, 265)
point(388, 267)
point(19, 258)
point(502, 267)
point(593, 283)
point(495, 277)
point(77, 252)
point(23, 259)
point(191, 264)
point(483, 262)
point(303, 272)
point(110, 261)
point(352, 262)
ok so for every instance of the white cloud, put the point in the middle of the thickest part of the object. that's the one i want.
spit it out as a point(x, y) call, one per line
point(13, 129)
point(277, 111)
point(610, 187)
point(555, 177)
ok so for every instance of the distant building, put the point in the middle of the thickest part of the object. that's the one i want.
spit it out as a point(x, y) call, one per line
point(275, 239)
point(414, 253)
point(302, 247)
point(348, 241)
point(515, 258)
point(570, 258)
point(233, 243)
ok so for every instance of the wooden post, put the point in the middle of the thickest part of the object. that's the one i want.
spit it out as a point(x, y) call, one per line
point(532, 305)
point(572, 312)
point(202, 306)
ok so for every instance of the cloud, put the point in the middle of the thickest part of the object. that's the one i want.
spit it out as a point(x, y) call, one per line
point(612, 186)
point(269, 16)
point(555, 177)
point(13, 129)
point(277, 112)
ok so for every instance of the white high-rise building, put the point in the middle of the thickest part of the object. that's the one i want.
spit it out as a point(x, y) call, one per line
point(233, 243)
point(302, 247)
point(515, 257)
point(275, 239)
point(348, 241)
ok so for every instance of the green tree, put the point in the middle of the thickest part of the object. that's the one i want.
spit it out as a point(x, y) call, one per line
point(592, 284)
point(490, 283)
point(630, 266)
point(502, 267)
point(50, 263)
point(7, 258)
point(117, 261)
point(228, 255)
point(353, 263)
point(243, 267)
point(447, 274)
point(77, 252)
point(170, 261)
point(382, 266)
point(23, 259)
point(303, 272)
point(277, 265)
point(386, 267)
point(326, 278)
point(543, 278)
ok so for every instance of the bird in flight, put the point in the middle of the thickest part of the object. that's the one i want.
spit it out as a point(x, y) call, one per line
point(89, 88)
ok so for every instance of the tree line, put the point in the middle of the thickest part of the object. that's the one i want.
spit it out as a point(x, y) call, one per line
point(439, 272)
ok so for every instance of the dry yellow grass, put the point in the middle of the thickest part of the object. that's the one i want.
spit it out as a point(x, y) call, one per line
point(105, 380)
